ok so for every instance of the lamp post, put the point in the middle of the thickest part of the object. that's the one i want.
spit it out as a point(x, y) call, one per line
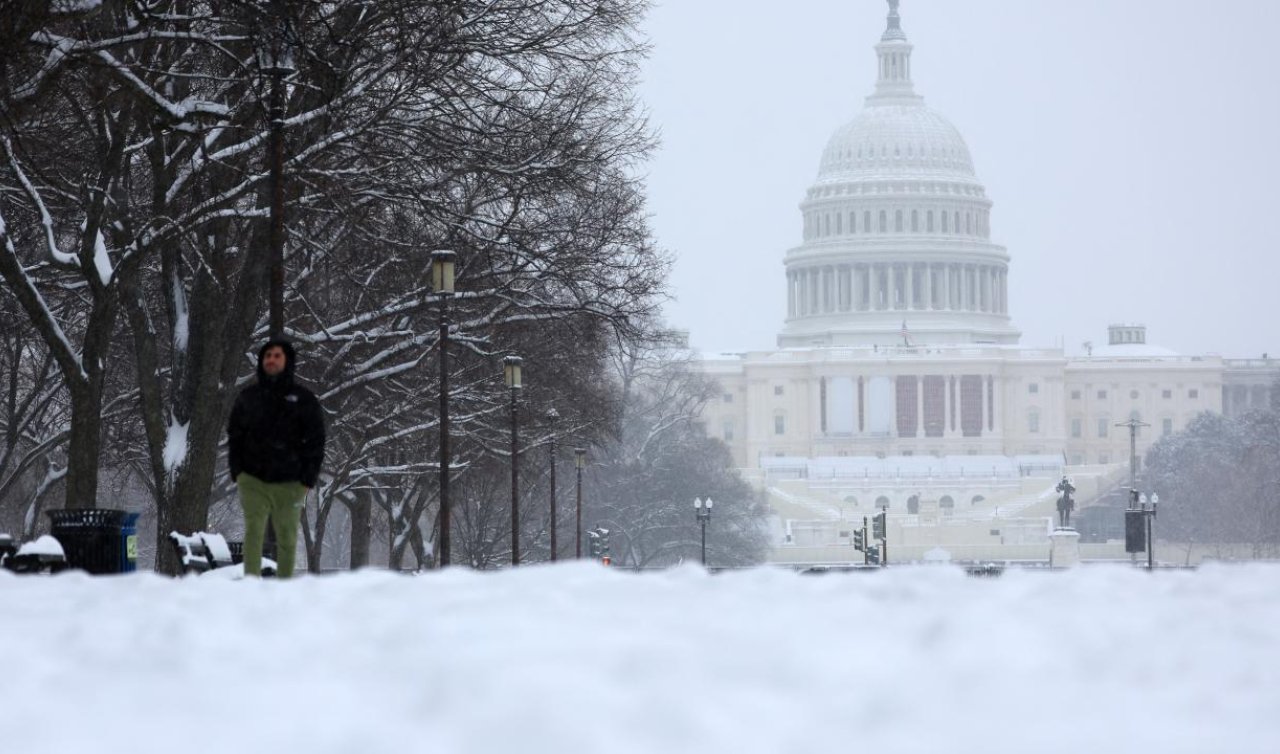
point(442, 262)
point(511, 373)
point(1149, 514)
point(580, 461)
point(552, 415)
point(703, 512)
point(275, 61)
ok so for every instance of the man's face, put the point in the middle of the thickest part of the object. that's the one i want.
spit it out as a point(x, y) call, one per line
point(273, 361)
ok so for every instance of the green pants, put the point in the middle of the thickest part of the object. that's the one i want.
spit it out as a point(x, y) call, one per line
point(282, 501)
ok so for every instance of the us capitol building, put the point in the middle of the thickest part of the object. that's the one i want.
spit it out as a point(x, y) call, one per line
point(899, 382)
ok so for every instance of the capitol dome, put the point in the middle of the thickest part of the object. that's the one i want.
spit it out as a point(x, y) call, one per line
point(896, 140)
point(896, 229)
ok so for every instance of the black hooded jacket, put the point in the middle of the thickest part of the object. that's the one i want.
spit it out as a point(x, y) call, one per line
point(276, 430)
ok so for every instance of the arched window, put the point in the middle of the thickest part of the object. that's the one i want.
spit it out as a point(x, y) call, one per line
point(851, 500)
point(913, 504)
point(897, 221)
point(915, 221)
point(839, 223)
point(882, 502)
point(957, 225)
point(884, 221)
point(968, 223)
point(853, 222)
point(826, 221)
point(944, 221)
point(977, 499)
point(928, 222)
point(866, 221)
point(947, 502)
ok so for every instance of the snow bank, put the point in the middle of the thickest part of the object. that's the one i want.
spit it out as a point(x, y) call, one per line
point(575, 657)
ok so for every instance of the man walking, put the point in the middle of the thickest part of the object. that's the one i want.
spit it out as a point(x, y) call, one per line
point(275, 439)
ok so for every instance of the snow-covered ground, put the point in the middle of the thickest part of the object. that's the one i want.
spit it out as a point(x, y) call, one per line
point(579, 658)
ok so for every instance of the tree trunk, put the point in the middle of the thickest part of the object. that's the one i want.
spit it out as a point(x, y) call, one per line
point(361, 529)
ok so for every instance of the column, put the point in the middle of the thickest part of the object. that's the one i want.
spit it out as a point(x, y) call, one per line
point(928, 287)
point(791, 295)
point(998, 401)
point(919, 405)
point(891, 283)
point(911, 287)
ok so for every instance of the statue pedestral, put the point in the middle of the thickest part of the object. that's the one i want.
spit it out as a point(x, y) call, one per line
point(1064, 548)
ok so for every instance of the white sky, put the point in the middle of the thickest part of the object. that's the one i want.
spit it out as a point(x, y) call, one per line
point(1132, 150)
point(579, 658)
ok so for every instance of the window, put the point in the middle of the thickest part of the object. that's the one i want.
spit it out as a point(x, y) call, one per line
point(1103, 424)
point(1075, 395)
point(1076, 427)
point(777, 390)
point(839, 223)
point(1166, 427)
point(1033, 388)
point(728, 431)
point(1193, 393)
point(1104, 458)
point(1166, 394)
point(1033, 422)
point(1133, 395)
point(779, 425)
point(728, 397)
point(1102, 395)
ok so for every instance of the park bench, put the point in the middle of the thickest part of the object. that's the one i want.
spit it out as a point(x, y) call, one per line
point(204, 551)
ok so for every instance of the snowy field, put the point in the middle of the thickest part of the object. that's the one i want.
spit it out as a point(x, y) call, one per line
point(578, 658)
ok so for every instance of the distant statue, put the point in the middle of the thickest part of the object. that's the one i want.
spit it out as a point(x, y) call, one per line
point(1065, 503)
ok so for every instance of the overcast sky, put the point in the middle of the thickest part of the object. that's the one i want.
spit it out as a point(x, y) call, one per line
point(1131, 148)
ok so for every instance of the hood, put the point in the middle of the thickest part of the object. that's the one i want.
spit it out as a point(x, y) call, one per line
point(290, 361)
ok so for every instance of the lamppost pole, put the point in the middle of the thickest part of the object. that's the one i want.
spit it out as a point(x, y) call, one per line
point(511, 371)
point(277, 67)
point(579, 460)
point(442, 265)
point(1133, 425)
point(1149, 516)
point(703, 512)
point(552, 416)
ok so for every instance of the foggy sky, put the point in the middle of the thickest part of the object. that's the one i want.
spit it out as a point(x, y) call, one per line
point(1131, 149)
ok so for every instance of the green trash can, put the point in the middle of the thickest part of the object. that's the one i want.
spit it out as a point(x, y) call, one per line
point(91, 538)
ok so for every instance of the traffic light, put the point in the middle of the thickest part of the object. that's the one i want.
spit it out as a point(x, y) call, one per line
point(873, 555)
point(878, 525)
point(858, 543)
point(598, 543)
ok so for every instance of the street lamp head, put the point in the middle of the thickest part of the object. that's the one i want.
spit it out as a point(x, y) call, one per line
point(511, 371)
point(1142, 498)
point(1154, 498)
point(709, 503)
point(697, 503)
point(580, 457)
point(442, 262)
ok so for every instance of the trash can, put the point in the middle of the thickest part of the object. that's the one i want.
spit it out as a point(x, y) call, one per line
point(91, 538)
point(129, 543)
